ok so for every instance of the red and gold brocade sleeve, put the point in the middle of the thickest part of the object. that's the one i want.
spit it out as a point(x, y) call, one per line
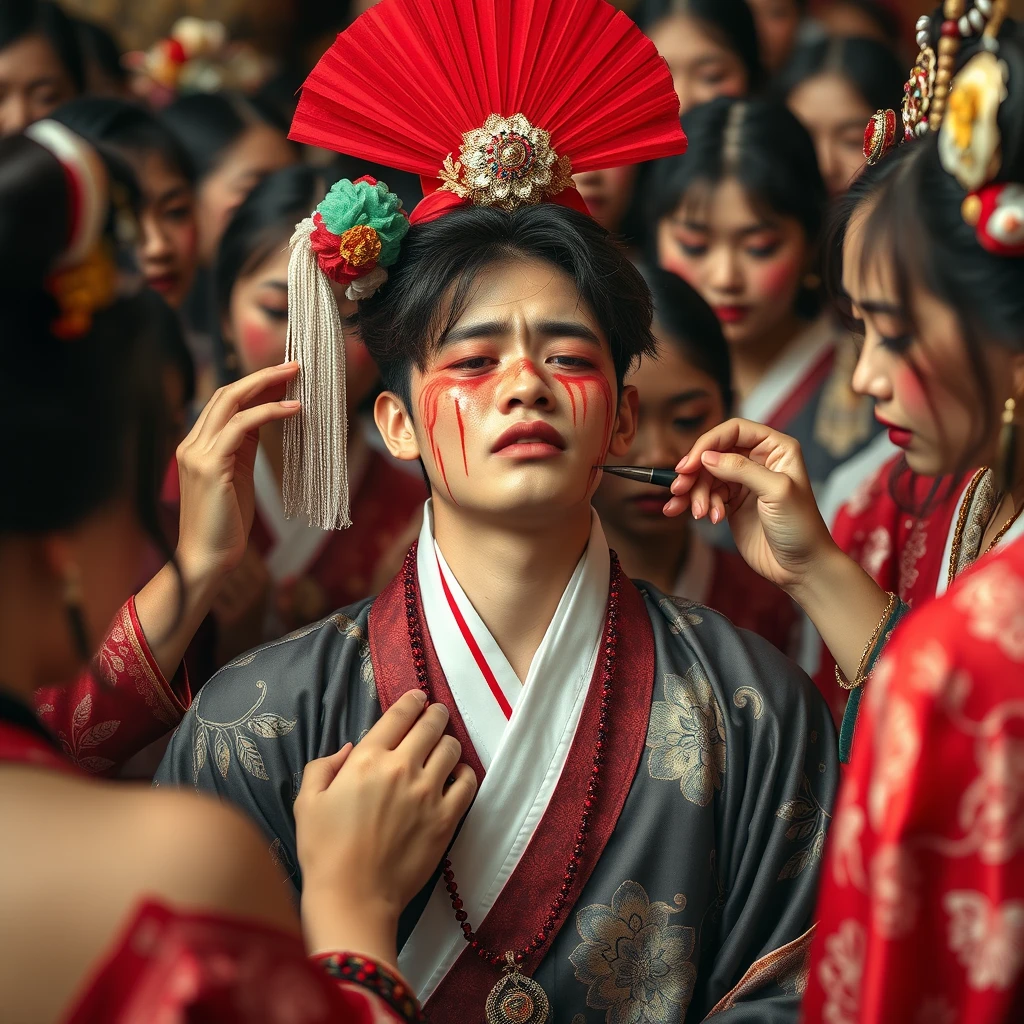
point(119, 706)
point(921, 910)
point(175, 966)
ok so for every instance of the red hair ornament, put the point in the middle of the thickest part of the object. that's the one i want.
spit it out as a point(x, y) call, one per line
point(996, 212)
point(492, 103)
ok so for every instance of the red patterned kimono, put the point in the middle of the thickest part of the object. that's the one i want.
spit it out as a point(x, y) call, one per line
point(170, 967)
point(118, 707)
point(921, 912)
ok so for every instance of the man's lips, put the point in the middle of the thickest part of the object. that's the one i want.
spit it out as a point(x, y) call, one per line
point(535, 433)
point(731, 314)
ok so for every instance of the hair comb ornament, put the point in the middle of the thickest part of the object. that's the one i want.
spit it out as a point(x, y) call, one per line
point(351, 239)
point(501, 101)
point(85, 278)
point(926, 90)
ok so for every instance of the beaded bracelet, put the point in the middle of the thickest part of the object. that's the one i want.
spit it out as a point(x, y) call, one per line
point(869, 647)
point(358, 970)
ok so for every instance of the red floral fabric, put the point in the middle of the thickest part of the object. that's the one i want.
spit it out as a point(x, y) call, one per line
point(119, 706)
point(901, 552)
point(921, 912)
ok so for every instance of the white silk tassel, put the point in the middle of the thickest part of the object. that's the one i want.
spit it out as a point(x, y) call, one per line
point(315, 440)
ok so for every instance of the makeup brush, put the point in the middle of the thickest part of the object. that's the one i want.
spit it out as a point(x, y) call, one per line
point(644, 474)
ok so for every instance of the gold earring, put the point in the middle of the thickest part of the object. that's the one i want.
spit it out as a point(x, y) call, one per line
point(73, 611)
point(811, 281)
point(1007, 465)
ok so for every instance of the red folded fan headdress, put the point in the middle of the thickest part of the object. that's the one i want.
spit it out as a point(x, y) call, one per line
point(490, 102)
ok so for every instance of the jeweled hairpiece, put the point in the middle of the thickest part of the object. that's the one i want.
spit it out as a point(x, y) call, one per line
point(926, 90)
point(492, 103)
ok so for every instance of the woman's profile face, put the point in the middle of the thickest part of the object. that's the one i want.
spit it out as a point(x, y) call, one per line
point(834, 114)
point(925, 389)
point(747, 263)
point(256, 154)
point(607, 194)
point(33, 83)
point(702, 67)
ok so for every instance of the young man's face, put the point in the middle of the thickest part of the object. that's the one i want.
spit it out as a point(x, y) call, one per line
point(519, 404)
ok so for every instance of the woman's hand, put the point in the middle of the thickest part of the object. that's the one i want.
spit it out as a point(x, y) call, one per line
point(756, 477)
point(215, 469)
point(373, 822)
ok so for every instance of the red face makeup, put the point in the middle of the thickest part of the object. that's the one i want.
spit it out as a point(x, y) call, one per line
point(529, 406)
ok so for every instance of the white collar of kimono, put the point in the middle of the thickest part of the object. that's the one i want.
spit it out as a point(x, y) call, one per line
point(524, 754)
point(694, 580)
point(788, 371)
point(294, 543)
point(1015, 532)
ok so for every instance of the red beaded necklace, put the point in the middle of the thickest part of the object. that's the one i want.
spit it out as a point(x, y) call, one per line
point(517, 999)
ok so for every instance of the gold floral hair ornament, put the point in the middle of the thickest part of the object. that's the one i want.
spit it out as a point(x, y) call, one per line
point(507, 162)
point(969, 139)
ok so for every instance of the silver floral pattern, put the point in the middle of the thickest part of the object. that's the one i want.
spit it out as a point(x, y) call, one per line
point(635, 963)
point(215, 740)
point(686, 735)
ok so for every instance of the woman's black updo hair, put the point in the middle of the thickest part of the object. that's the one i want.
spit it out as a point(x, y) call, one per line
point(430, 285)
point(20, 19)
point(868, 65)
point(689, 323)
point(915, 215)
point(85, 419)
point(765, 148)
point(729, 22)
point(261, 225)
point(129, 129)
point(207, 124)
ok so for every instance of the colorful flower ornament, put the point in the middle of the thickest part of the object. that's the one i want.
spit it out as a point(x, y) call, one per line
point(506, 163)
point(358, 232)
point(969, 140)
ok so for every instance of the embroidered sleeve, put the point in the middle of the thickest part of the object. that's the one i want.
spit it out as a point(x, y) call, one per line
point(120, 705)
point(349, 970)
point(921, 913)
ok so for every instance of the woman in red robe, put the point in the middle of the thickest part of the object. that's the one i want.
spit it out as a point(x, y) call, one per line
point(921, 914)
point(105, 918)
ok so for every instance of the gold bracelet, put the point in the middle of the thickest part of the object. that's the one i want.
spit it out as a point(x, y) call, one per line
point(868, 648)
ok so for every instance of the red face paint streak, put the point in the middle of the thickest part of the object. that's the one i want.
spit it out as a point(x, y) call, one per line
point(430, 401)
point(599, 381)
point(462, 434)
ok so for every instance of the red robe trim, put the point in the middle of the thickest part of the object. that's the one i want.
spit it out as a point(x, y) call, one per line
point(521, 908)
point(804, 391)
point(117, 707)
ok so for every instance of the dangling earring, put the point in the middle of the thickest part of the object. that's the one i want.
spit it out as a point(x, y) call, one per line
point(73, 610)
point(811, 281)
point(1007, 466)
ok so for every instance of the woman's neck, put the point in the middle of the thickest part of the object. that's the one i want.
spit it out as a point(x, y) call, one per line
point(514, 576)
point(659, 560)
point(750, 362)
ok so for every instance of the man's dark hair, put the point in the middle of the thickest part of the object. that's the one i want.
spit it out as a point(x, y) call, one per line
point(430, 285)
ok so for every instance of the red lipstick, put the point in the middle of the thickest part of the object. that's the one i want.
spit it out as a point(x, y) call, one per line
point(731, 314)
point(900, 436)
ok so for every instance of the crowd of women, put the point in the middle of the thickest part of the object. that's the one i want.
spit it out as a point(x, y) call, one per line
point(838, 383)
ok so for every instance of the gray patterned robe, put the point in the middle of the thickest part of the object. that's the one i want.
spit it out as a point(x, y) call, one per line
point(697, 891)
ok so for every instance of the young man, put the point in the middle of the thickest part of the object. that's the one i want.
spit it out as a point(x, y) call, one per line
point(655, 785)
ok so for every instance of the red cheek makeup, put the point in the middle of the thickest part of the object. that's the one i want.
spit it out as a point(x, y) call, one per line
point(261, 346)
